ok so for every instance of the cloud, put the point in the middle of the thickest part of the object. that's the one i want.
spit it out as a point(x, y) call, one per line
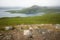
point(27, 3)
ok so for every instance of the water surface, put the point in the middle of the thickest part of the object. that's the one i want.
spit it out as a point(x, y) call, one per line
point(8, 14)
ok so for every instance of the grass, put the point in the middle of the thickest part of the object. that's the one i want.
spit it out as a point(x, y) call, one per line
point(48, 18)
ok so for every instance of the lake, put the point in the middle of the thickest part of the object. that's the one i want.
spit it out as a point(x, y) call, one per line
point(8, 14)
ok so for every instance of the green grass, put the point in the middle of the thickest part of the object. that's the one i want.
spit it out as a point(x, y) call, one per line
point(48, 18)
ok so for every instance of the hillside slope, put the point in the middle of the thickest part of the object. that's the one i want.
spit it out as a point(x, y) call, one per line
point(46, 18)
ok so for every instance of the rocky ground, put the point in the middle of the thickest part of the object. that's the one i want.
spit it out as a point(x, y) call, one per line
point(38, 34)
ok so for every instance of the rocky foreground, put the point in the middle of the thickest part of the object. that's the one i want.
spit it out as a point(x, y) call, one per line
point(40, 32)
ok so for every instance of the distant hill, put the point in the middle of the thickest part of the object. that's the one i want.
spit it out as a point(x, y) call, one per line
point(35, 9)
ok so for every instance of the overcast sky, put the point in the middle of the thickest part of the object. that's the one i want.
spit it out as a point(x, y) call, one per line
point(28, 3)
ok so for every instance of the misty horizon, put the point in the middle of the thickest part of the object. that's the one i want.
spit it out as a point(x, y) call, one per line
point(29, 3)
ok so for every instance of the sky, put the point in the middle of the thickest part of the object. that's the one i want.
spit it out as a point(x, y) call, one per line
point(28, 3)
